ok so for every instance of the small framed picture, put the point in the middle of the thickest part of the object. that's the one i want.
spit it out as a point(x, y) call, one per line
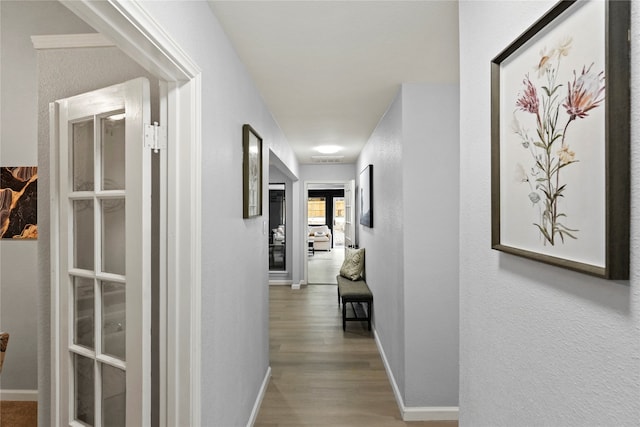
point(366, 196)
point(252, 172)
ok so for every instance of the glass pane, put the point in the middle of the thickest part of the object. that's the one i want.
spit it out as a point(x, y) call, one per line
point(114, 397)
point(83, 234)
point(113, 172)
point(113, 319)
point(84, 311)
point(316, 211)
point(84, 381)
point(82, 148)
point(113, 236)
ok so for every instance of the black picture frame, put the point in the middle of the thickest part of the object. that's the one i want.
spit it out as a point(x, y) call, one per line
point(251, 172)
point(555, 185)
point(365, 196)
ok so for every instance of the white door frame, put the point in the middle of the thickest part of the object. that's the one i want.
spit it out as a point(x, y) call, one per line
point(128, 25)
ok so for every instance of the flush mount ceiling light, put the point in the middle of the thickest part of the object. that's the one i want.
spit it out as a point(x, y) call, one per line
point(328, 149)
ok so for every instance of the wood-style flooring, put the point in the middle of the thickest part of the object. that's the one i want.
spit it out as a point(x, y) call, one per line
point(322, 376)
point(18, 414)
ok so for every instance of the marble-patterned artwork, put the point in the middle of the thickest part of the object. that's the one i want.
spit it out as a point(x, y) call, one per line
point(19, 202)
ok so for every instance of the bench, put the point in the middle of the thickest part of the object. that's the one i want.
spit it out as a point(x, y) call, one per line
point(354, 291)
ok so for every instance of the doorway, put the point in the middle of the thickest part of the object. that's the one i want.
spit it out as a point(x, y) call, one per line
point(325, 219)
point(277, 227)
point(104, 255)
point(179, 371)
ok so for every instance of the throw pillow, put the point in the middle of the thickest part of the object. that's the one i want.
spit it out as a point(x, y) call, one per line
point(319, 233)
point(353, 264)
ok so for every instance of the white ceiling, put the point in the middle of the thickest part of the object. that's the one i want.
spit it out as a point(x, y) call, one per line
point(328, 70)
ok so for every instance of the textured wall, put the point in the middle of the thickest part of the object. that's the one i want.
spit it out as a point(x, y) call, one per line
point(327, 172)
point(412, 249)
point(384, 242)
point(21, 262)
point(235, 305)
point(539, 345)
point(430, 159)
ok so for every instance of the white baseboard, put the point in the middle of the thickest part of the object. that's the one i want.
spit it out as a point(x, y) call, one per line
point(21, 395)
point(298, 285)
point(387, 368)
point(280, 282)
point(261, 393)
point(430, 413)
point(415, 413)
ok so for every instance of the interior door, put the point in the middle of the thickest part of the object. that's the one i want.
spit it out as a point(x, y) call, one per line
point(103, 313)
point(349, 215)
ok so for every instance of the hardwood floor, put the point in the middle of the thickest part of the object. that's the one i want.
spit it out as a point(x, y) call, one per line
point(323, 266)
point(18, 413)
point(322, 376)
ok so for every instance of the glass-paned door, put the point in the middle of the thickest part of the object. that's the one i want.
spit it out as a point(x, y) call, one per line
point(349, 215)
point(338, 221)
point(103, 285)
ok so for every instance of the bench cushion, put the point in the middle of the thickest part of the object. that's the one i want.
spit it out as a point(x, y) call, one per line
point(353, 289)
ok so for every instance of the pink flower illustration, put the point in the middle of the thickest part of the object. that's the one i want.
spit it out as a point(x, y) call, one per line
point(529, 100)
point(586, 93)
point(555, 107)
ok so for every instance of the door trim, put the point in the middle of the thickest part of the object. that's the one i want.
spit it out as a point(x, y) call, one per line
point(136, 33)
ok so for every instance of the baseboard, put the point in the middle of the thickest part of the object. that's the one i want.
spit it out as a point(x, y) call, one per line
point(261, 393)
point(280, 282)
point(298, 285)
point(21, 395)
point(430, 413)
point(414, 413)
point(387, 368)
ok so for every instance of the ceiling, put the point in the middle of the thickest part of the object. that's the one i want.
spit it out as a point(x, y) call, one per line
point(328, 70)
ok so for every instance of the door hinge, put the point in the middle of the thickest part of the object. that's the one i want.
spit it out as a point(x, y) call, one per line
point(155, 137)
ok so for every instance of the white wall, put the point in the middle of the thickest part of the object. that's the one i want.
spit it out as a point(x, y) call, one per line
point(384, 243)
point(20, 263)
point(412, 249)
point(235, 306)
point(430, 155)
point(327, 172)
point(540, 345)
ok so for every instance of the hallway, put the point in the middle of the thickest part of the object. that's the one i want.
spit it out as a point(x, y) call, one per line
point(321, 375)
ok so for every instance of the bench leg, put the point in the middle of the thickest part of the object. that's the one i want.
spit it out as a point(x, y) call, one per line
point(369, 304)
point(344, 317)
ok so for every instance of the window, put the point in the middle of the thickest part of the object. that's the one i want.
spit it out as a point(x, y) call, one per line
point(316, 211)
point(338, 204)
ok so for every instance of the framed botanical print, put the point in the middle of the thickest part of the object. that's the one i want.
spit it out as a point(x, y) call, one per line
point(560, 111)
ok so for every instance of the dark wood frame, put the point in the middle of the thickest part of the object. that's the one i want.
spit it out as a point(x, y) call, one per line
point(617, 142)
point(247, 133)
point(366, 185)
